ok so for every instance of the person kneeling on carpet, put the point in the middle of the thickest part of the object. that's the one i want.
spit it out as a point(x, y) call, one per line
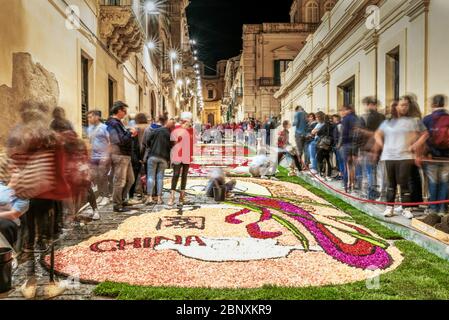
point(218, 180)
point(262, 167)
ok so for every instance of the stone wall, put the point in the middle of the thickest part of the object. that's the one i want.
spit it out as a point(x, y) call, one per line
point(30, 81)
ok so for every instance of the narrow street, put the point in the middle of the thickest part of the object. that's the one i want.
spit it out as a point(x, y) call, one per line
point(224, 150)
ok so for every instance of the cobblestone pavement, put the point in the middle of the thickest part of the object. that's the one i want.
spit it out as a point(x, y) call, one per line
point(109, 221)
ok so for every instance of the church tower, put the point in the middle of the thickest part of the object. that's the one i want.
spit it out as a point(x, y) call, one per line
point(310, 11)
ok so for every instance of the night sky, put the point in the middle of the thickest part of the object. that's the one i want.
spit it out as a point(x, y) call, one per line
point(217, 24)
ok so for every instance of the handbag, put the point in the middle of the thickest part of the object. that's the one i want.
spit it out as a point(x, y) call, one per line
point(325, 142)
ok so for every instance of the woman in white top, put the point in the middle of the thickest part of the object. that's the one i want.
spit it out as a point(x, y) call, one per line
point(399, 138)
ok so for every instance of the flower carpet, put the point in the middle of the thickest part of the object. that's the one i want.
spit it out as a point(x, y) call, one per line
point(271, 233)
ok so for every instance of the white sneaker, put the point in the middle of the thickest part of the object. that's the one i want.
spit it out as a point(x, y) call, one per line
point(408, 214)
point(313, 171)
point(398, 210)
point(389, 212)
point(104, 201)
point(88, 212)
point(96, 215)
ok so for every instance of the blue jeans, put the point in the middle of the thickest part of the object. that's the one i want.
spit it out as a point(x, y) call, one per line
point(312, 155)
point(306, 153)
point(155, 175)
point(370, 173)
point(346, 152)
point(339, 158)
point(438, 175)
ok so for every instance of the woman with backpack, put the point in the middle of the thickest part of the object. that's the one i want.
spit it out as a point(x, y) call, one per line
point(77, 164)
point(437, 169)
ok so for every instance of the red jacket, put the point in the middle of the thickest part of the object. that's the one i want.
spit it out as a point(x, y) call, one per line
point(183, 139)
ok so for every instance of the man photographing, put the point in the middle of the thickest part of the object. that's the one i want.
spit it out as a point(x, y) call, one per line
point(121, 149)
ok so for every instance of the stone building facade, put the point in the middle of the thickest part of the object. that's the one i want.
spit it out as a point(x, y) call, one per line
point(394, 48)
point(85, 54)
point(213, 90)
point(232, 107)
point(268, 49)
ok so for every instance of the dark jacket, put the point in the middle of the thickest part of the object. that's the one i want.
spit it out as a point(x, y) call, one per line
point(158, 144)
point(430, 123)
point(349, 122)
point(335, 134)
point(325, 131)
point(121, 138)
point(370, 121)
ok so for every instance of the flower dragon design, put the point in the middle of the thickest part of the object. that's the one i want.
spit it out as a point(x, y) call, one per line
point(367, 252)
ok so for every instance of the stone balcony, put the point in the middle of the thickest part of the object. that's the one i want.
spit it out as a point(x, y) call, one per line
point(120, 28)
point(269, 82)
point(166, 74)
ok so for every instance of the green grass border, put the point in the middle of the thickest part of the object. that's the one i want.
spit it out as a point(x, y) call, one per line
point(421, 276)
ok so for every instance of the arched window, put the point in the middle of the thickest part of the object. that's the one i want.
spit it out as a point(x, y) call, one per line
point(329, 5)
point(312, 10)
point(211, 92)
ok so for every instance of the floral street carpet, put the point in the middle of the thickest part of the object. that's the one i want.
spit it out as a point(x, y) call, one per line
point(270, 233)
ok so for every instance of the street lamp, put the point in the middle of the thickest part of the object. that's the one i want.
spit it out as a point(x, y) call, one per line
point(173, 55)
point(151, 45)
point(151, 7)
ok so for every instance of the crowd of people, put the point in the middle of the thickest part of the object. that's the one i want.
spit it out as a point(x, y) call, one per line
point(48, 172)
point(396, 157)
point(249, 124)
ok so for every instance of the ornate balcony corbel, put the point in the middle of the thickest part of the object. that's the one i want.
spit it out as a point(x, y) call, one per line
point(121, 30)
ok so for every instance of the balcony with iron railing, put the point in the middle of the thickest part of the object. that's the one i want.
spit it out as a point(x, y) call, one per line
point(269, 82)
point(121, 27)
